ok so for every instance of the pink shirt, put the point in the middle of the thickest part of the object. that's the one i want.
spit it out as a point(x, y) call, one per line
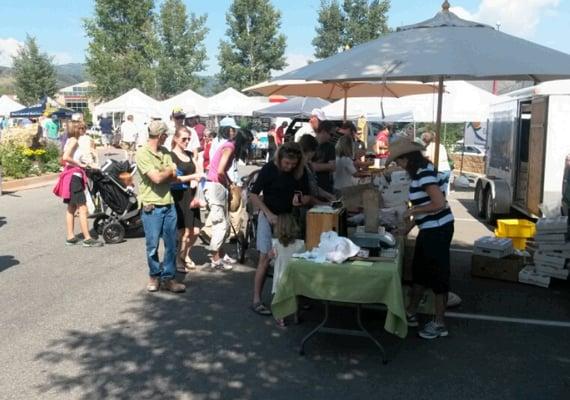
point(215, 161)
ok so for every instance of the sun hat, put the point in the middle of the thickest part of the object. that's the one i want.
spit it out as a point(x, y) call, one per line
point(157, 128)
point(320, 114)
point(402, 146)
point(229, 121)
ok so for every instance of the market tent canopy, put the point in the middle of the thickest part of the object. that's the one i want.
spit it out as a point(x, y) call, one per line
point(231, 102)
point(462, 102)
point(297, 107)
point(190, 101)
point(7, 105)
point(561, 87)
point(134, 102)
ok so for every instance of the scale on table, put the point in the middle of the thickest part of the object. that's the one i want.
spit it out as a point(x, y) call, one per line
point(378, 244)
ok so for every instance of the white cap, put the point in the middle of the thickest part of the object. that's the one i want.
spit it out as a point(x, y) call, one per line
point(229, 121)
point(317, 112)
point(191, 112)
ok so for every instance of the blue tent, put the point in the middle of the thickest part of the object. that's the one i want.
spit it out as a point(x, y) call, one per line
point(30, 112)
point(297, 107)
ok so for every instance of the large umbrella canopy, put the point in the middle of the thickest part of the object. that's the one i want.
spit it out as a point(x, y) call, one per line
point(339, 90)
point(442, 48)
point(135, 102)
point(7, 105)
point(297, 107)
point(462, 102)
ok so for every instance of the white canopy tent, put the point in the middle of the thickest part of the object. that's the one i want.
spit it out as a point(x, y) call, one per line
point(233, 103)
point(462, 102)
point(7, 105)
point(141, 106)
point(189, 100)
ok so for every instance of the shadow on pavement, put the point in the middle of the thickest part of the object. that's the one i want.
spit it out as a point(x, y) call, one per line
point(7, 262)
point(2, 221)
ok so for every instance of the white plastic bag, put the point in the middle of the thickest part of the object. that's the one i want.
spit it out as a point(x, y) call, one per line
point(335, 248)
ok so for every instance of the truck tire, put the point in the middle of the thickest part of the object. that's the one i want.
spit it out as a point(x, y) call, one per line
point(480, 200)
point(490, 216)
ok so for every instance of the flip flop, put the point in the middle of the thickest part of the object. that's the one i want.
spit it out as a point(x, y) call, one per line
point(259, 308)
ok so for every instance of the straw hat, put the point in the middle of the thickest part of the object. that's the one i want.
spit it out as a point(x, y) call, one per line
point(402, 146)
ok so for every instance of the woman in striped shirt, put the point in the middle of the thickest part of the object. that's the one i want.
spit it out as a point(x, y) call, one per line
point(433, 217)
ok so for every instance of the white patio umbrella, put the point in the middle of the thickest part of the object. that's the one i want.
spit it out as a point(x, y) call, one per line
point(340, 90)
point(445, 47)
point(7, 105)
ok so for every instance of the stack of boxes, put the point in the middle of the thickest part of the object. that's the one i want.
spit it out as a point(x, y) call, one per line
point(494, 258)
point(395, 197)
point(551, 251)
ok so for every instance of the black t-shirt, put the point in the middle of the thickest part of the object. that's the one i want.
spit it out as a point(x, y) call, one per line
point(325, 153)
point(278, 188)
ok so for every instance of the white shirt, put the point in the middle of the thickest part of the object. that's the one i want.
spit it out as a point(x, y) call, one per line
point(216, 142)
point(344, 171)
point(129, 131)
point(194, 142)
point(443, 163)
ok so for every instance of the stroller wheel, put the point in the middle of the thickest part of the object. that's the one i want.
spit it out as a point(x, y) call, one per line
point(99, 222)
point(113, 233)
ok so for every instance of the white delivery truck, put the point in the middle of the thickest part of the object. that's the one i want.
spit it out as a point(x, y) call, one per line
point(528, 143)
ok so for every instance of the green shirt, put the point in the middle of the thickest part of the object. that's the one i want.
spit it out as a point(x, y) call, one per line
point(52, 129)
point(147, 160)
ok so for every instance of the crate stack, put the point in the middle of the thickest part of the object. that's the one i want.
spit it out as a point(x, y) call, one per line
point(552, 248)
point(518, 230)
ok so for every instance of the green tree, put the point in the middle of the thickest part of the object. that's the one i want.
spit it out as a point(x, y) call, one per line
point(123, 47)
point(34, 72)
point(255, 46)
point(356, 22)
point(182, 49)
point(330, 29)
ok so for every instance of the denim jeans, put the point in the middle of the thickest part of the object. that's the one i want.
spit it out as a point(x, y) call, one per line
point(160, 223)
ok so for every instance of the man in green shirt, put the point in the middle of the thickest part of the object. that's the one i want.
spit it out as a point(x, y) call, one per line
point(52, 128)
point(157, 171)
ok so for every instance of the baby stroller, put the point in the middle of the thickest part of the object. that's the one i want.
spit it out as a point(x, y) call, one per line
point(116, 204)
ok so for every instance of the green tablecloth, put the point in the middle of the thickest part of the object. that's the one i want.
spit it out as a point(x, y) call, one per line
point(351, 282)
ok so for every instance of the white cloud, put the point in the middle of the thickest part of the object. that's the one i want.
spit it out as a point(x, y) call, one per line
point(8, 48)
point(519, 18)
point(294, 61)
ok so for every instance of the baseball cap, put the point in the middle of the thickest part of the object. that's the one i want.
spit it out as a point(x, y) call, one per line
point(157, 128)
point(178, 112)
point(229, 121)
point(317, 112)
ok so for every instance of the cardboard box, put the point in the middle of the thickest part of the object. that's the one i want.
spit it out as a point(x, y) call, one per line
point(504, 269)
point(319, 222)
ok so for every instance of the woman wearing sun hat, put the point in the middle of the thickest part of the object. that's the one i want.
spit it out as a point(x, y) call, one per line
point(433, 217)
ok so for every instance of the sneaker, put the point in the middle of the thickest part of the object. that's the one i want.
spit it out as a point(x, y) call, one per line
point(71, 242)
point(433, 330)
point(153, 285)
point(220, 265)
point(228, 260)
point(412, 320)
point(92, 243)
point(172, 286)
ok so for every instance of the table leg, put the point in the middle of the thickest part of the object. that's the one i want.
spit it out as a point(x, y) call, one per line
point(314, 331)
point(370, 336)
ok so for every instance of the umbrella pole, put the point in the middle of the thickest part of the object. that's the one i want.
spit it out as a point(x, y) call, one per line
point(345, 103)
point(438, 122)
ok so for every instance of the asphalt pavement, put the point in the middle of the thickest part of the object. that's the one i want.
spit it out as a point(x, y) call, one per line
point(77, 323)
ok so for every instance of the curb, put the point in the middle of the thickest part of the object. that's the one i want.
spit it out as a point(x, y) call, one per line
point(28, 183)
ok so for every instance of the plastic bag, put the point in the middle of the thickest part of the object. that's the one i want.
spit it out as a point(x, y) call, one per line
point(335, 248)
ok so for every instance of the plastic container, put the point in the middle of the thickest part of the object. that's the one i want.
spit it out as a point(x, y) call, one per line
point(519, 243)
point(515, 228)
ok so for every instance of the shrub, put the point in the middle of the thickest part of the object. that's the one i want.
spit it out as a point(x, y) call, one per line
point(14, 162)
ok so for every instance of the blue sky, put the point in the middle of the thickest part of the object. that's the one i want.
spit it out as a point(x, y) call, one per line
point(58, 25)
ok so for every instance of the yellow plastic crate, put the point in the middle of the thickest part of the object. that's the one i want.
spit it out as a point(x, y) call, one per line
point(518, 242)
point(515, 228)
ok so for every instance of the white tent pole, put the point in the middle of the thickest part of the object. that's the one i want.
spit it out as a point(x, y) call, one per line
point(438, 122)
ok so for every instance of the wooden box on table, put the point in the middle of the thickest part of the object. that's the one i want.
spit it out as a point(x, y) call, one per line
point(324, 221)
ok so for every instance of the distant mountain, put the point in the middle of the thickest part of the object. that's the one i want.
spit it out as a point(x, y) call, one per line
point(67, 74)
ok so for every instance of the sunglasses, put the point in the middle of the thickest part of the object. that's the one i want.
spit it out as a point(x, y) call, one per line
point(184, 139)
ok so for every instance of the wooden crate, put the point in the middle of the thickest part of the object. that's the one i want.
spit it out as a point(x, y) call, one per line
point(319, 222)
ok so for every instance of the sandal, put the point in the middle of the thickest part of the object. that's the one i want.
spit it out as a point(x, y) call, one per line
point(259, 308)
point(181, 266)
point(280, 323)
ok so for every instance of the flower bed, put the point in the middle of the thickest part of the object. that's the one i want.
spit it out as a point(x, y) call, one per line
point(19, 160)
